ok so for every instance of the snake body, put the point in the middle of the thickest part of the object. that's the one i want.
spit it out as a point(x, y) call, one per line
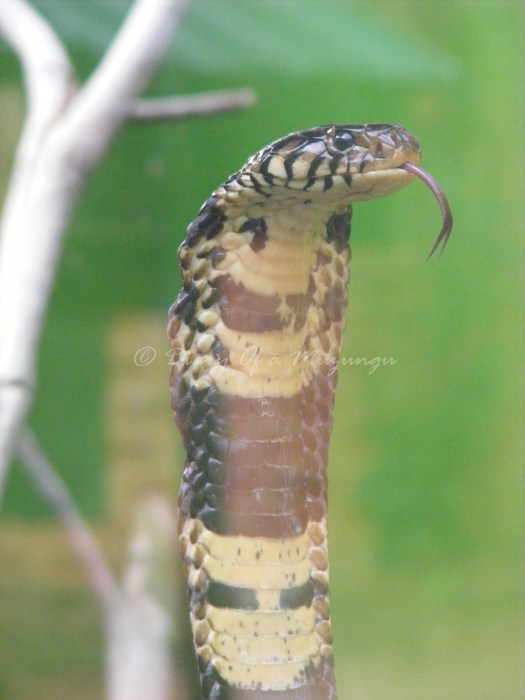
point(256, 336)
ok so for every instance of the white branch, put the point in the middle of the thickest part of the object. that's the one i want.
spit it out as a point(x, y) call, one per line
point(55, 492)
point(50, 82)
point(49, 79)
point(64, 137)
point(140, 663)
point(201, 104)
point(47, 71)
point(102, 105)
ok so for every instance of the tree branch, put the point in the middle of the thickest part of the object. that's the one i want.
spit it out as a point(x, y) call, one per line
point(50, 82)
point(48, 72)
point(84, 545)
point(63, 140)
point(202, 104)
point(102, 105)
point(140, 661)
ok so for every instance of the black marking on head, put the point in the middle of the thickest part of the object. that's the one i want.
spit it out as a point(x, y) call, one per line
point(257, 185)
point(209, 222)
point(291, 598)
point(334, 162)
point(363, 164)
point(289, 161)
point(319, 158)
point(268, 177)
point(338, 229)
point(223, 596)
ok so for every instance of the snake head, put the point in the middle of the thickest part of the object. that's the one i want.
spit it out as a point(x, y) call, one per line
point(357, 161)
point(346, 163)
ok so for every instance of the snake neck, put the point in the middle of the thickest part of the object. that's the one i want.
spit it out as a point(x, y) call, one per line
point(256, 334)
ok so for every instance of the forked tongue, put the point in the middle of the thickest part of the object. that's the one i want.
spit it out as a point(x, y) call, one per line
point(438, 193)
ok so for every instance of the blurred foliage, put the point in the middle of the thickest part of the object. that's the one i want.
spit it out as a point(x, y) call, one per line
point(272, 38)
point(425, 463)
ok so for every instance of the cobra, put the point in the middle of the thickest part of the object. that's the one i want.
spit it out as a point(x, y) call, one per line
point(256, 334)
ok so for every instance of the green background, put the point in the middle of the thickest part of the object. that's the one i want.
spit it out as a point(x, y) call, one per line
point(425, 465)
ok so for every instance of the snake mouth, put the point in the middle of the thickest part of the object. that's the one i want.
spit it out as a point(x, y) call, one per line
point(446, 225)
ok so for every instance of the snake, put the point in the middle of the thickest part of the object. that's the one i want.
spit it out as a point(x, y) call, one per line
point(256, 338)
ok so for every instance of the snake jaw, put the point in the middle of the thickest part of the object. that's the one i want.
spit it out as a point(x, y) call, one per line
point(441, 199)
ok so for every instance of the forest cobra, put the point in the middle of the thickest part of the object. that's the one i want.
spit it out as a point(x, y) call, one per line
point(256, 334)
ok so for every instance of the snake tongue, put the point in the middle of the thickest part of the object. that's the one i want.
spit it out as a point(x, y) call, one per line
point(438, 193)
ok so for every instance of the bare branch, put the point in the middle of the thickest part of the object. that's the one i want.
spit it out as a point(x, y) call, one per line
point(55, 492)
point(49, 80)
point(61, 153)
point(202, 104)
point(101, 106)
point(47, 70)
point(140, 663)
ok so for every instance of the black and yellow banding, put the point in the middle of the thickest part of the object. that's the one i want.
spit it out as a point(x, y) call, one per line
point(256, 335)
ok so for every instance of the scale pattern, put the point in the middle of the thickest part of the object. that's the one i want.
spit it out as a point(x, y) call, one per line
point(256, 336)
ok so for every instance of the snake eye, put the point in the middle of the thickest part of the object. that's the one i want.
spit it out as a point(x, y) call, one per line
point(343, 141)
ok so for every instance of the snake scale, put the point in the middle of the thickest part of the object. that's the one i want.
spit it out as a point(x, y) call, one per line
point(256, 333)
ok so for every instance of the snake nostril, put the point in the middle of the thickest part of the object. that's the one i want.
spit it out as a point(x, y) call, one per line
point(343, 141)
